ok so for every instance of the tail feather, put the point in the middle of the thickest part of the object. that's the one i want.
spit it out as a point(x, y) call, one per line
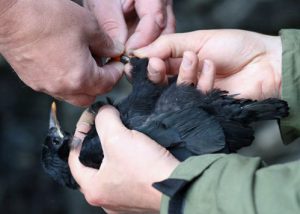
point(269, 109)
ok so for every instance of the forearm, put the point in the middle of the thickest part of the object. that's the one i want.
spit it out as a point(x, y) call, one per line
point(236, 184)
point(290, 127)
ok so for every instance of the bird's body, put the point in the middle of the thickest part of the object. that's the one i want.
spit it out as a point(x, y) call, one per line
point(184, 120)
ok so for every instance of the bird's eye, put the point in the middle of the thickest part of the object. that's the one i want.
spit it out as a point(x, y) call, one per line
point(56, 141)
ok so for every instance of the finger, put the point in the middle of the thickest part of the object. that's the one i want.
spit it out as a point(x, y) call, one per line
point(127, 6)
point(152, 22)
point(171, 21)
point(174, 45)
point(108, 125)
point(173, 65)
point(84, 124)
point(156, 70)
point(83, 175)
point(188, 69)
point(102, 45)
point(207, 76)
point(127, 69)
point(104, 78)
point(110, 17)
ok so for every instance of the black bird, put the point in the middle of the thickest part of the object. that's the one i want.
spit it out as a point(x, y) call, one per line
point(179, 117)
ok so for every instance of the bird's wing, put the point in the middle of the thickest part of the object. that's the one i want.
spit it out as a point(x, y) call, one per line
point(193, 128)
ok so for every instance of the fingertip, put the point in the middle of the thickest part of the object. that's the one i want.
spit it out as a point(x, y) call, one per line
point(84, 124)
point(188, 69)
point(107, 111)
point(107, 76)
point(119, 47)
point(141, 52)
point(156, 70)
point(107, 121)
point(119, 67)
point(127, 69)
point(101, 44)
point(207, 76)
point(134, 42)
point(146, 32)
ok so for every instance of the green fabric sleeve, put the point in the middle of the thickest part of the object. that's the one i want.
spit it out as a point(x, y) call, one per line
point(290, 127)
point(234, 184)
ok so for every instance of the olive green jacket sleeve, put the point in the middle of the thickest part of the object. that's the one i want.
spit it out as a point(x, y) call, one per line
point(290, 127)
point(234, 184)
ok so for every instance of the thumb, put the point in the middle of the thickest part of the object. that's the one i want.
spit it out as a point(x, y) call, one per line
point(109, 126)
point(111, 22)
point(102, 45)
point(82, 174)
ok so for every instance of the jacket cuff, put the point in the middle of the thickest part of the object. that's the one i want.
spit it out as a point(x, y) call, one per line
point(175, 187)
point(290, 126)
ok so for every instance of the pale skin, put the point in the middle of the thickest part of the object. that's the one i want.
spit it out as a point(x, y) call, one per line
point(55, 46)
point(247, 63)
point(132, 161)
point(236, 56)
point(135, 23)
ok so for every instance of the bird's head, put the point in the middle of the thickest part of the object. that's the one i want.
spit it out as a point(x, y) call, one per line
point(55, 152)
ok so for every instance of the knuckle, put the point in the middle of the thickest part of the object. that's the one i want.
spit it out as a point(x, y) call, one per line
point(110, 25)
point(163, 39)
point(160, 18)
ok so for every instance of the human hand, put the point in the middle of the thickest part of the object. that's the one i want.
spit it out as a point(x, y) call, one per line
point(247, 63)
point(136, 22)
point(52, 46)
point(132, 163)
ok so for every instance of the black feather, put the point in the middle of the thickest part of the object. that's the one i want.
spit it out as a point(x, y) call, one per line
point(182, 119)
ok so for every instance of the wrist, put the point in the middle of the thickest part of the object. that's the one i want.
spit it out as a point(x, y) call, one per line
point(166, 169)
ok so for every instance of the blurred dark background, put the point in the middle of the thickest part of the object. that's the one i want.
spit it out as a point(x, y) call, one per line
point(24, 114)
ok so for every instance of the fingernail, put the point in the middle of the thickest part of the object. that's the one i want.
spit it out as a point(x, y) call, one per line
point(139, 52)
point(129, 52)
point(119, 47)
point(83, 127)
point(186, 62)
point(152, 70)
